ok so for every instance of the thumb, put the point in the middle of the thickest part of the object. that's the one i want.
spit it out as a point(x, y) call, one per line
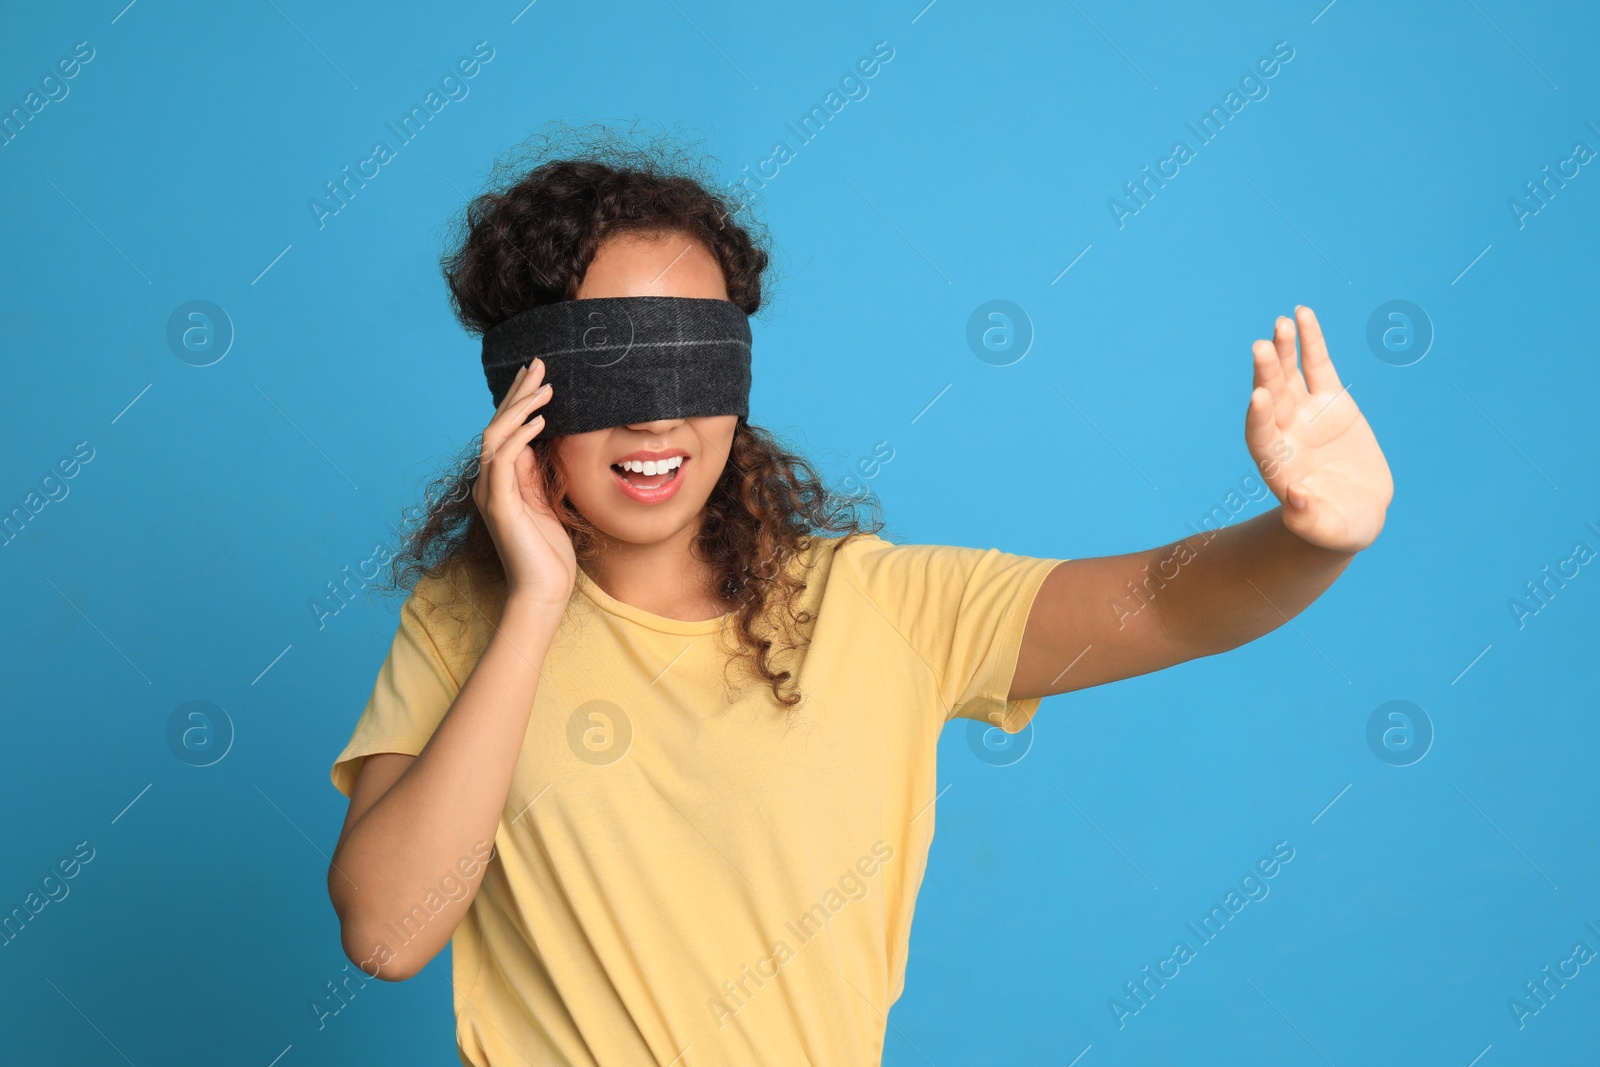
point(1260, 433)
point(1258, 420)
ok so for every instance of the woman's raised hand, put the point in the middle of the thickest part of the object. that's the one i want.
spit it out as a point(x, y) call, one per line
point(534, 547)
point(1313, 445)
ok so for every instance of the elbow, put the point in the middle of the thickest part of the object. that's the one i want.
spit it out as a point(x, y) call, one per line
point(366, 947)
point(375, 959)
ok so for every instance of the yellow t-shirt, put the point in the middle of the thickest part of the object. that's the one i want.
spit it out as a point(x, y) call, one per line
point(680, 878)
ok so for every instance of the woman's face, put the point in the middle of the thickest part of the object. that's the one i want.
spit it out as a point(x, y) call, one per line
point(631, 505)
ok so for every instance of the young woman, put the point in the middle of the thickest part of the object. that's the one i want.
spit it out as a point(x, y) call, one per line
point(654, 746)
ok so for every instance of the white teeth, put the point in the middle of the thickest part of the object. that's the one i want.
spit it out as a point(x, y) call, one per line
point(652, 466)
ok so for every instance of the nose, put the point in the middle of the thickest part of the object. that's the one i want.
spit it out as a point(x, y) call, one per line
point(654, 426)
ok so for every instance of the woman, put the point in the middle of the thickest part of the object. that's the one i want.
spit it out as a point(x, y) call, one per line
point(655, 745)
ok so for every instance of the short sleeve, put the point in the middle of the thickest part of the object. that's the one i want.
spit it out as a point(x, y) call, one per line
point(963, 611)
point(414, 689)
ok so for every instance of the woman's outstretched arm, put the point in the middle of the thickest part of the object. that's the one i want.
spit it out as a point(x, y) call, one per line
point(1098, 620)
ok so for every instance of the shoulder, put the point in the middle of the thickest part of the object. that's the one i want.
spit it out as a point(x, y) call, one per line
point(871, 558)
point(844, 556)
point(896, 578)
point(919, 583)
point(848, 547)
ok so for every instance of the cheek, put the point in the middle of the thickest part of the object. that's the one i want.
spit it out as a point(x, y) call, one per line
point(708, 471)
point(587, 480)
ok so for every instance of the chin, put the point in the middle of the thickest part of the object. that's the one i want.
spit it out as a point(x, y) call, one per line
point(638, 525)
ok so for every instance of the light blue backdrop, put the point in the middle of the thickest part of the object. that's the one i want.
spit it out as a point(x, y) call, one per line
point(978, 164)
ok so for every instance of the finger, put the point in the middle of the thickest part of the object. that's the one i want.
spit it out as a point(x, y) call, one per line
point(530, 475)
point(1283, 341)
point(499, 472)
point(530, 377)
point(528, 381)
point(516, 413)
point(1264, 438)
point(516, 439)
point(504, 434)
point(1269, 373)
point(494, 432)
point(1320, 375)
point(506, 466)
point(1260, 428)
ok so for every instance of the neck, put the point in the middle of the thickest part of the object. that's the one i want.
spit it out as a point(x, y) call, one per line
point(664, 577)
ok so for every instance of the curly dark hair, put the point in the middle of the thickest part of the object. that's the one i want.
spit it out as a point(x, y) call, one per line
point(527, 240)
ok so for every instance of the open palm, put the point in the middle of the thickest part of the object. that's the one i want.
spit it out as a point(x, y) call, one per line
point(1315, 449)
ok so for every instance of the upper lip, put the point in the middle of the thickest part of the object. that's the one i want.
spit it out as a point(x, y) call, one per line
point(645, 454)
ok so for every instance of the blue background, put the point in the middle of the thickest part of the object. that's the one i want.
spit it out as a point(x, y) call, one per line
point(221, 499)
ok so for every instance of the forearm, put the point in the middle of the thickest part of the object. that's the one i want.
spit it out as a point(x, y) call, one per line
point(1244, 581)
point(449, 800)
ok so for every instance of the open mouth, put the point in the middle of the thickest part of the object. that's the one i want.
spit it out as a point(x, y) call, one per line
point(639, 479)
